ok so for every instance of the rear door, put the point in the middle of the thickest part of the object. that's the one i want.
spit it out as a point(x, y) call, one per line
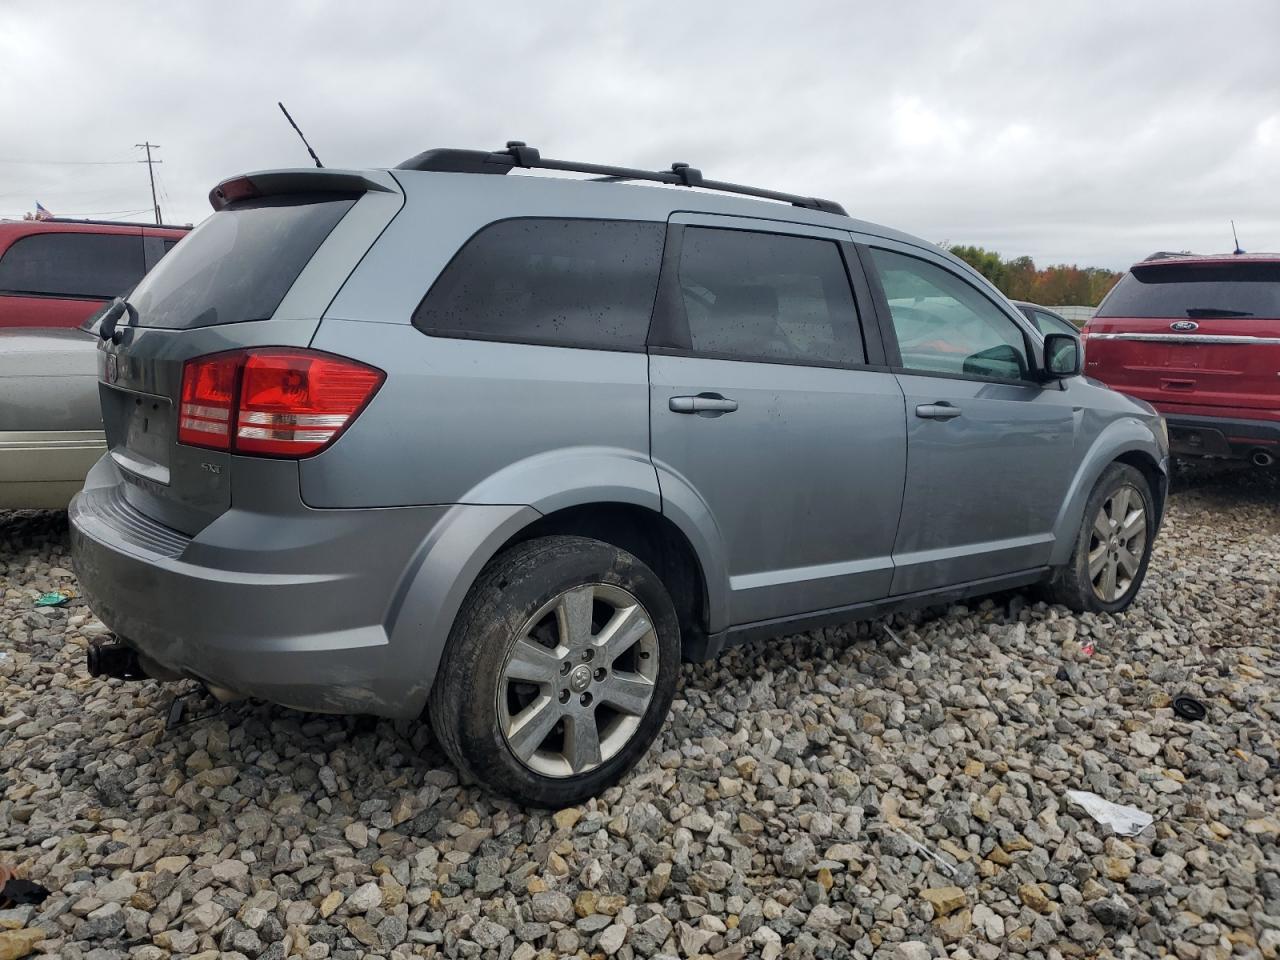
point(1194, 336)
point(770, 414)
point(57, 278)
point(259, 272)
point(990, 452)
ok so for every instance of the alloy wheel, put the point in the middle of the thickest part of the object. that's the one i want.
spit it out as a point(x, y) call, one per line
point(578, 680)
point(1117, 543)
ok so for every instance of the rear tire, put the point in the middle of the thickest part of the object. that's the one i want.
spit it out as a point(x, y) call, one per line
point(1113, 545)
point(559, 671)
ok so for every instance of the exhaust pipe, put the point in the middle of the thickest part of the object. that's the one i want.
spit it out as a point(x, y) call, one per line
point(111, 658)
point(1262, 458)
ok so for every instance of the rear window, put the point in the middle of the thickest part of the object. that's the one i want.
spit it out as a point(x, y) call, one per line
point(559, 282)
point(89, 266)
point(239, 263)
point(1196, 291)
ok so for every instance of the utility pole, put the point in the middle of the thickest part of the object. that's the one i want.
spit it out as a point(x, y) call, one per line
point(155, 204)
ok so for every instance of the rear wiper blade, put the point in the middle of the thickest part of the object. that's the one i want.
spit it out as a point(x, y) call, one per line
point(1203, 312)
point(119, 308)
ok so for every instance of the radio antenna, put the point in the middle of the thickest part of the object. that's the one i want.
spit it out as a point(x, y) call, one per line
point(1237, 250)
point(300, 135)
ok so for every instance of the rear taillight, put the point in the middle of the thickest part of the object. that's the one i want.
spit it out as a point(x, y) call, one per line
point(208, 400)
point(276, 401)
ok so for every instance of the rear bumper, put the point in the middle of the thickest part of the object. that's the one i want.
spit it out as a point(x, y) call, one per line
point(295, 607)
point(1229, 437)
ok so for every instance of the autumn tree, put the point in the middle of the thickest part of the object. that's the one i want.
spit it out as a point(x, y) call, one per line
point(986, 262)
point(1019, 279)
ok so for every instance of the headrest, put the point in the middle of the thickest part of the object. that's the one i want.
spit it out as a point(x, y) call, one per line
point(755, 300)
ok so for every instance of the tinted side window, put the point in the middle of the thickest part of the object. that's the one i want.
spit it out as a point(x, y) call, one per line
point(768, 297)
point(571, 283)
point(945, 325)
point(89, 265)
point(1051, 323)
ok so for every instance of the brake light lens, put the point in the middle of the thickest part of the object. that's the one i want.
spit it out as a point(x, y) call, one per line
point(277, 402)
point(208, 400)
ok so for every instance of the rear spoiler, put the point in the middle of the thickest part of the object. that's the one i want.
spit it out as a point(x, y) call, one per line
point(272, 183)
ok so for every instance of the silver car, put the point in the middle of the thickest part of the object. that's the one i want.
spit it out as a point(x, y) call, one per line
point(503, 449)
point(50, 422)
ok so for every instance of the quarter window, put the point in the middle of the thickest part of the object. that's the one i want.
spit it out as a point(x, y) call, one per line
point(945, 325)
point(768, 297)
point(571, 283)
point(92, 266)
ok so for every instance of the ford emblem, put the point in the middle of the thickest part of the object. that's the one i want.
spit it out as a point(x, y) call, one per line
point(1184, 326)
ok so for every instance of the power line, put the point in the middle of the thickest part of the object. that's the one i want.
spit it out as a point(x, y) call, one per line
point(69, 163)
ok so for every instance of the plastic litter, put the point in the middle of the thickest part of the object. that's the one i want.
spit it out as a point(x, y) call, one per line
point(1125, 821)
point(1087, 649)
point(15, 891)
point(894, 637)
point(18, 892)
point(55, 599)
point(924, 851)
point(1189, 708)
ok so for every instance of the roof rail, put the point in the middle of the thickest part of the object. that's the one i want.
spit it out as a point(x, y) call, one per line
point(1168, 255)
point(114, 223)
point(518, 154)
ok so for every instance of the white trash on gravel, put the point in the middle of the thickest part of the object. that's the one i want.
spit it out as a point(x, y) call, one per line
point(1126, 821)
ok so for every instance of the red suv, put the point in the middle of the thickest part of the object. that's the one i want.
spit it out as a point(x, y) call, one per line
point(55, 273)
point(1198, 337)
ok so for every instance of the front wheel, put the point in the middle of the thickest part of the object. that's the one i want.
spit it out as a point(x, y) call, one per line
point(1113, 546)
point(559, 670)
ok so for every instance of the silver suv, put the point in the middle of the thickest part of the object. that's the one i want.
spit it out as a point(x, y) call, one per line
point(503, 449)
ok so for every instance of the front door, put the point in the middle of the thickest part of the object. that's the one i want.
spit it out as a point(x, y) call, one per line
point(767, 419)
point(990, 451)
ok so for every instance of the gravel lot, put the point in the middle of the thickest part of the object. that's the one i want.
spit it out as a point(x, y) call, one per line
point(834, 794)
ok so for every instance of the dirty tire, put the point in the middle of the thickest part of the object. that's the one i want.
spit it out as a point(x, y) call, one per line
point(1071, 584)
point(463, 708)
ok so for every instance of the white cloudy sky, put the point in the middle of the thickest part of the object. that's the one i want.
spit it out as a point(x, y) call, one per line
point(1090, 132)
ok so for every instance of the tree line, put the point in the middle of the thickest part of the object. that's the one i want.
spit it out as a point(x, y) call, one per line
point(1020, 279)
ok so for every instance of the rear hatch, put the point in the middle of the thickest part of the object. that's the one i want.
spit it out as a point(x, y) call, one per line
point(1195, 336)
point(259, 272)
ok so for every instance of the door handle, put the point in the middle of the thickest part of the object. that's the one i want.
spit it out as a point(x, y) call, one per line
point(707, 403)
point(937, 411)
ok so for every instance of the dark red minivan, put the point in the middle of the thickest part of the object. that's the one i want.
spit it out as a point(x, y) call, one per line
point(1198, 337)
point(55, 273)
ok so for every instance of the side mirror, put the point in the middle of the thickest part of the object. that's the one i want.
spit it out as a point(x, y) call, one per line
point(1002, 361)
point(1062, 355)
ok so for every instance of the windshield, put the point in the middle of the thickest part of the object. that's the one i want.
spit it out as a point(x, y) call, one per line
point(238, 264)
point(1197, 291)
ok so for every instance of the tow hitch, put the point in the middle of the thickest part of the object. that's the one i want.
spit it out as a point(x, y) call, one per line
point(111, 658)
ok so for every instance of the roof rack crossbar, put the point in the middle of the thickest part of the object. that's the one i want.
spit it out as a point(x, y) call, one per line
point(519, 154)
